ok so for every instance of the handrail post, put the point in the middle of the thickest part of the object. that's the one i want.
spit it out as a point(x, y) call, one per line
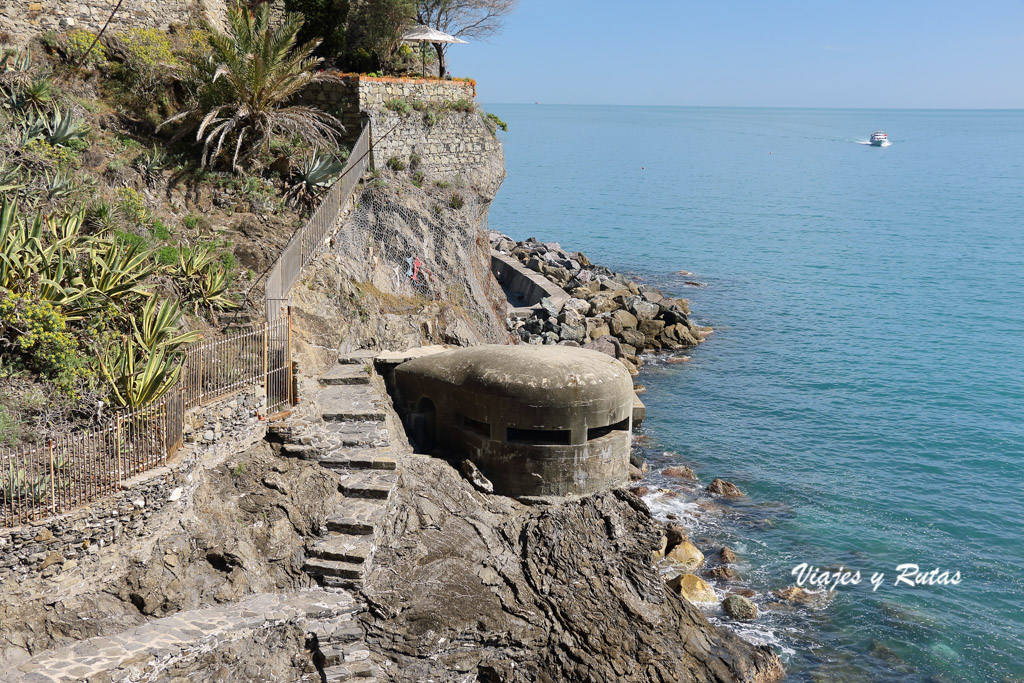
point(200, 377)
point(288, 361)
point(266, 373)
point(120, 452)
point(53, 484)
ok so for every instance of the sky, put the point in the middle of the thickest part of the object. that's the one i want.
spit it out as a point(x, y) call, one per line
point(768, 53)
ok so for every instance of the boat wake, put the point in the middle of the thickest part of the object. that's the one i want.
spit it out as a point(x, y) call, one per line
point(866, 142)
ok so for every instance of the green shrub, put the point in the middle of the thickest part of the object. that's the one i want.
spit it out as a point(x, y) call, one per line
point(430, 118)
point(415, 160)
point(131, 205)
point(167, 256)
point(443, 184)
point(62, 158)
point(399, 106)
point(463, 105)
point(77, 43)
point(396, 164)
point(456, 201)
point(38, 330)
point(495, 123)
point(160, 231)
point(146, 56)
point(130, 239)
point(191, 221)
point(418, 177)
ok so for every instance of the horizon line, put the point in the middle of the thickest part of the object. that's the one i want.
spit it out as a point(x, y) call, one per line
point(751, 106)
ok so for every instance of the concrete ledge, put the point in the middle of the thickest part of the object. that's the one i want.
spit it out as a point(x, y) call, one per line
point(523, 287)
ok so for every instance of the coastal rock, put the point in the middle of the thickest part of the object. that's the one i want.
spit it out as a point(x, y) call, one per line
point(724, 488)
point(658, 554)
point(580, 306)
point(675, 534)
point(639, 389)
point(686, 556)
point(740, 608)
point(623, 320)
point(640, 492)
point(573, 333)
point(794, 594)
point(721, 573)
point(693, 588)
point(727, 555)
point(651, 328)
point(643, 310)
point(572, 594)
point(570, 316)
point(679, 472)
point(602, 304)
point(596, 328)
point(633, 338)
point(476, 477)
point(606, 344)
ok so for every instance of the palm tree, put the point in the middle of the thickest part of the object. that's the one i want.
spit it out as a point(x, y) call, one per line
point(240, 89)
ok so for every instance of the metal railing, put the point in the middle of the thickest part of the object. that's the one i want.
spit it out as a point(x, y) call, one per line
point(77, 469)
point(309, 240)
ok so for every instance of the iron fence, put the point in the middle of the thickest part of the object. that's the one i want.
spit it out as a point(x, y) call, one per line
point(77, 469)
point(309, 241)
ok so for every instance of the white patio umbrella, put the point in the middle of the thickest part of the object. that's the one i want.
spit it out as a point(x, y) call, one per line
point(426, 34)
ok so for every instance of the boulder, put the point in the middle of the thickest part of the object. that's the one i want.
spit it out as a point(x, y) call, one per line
point(550, 307)
point(476, 477)
point(740, 608)
point(602, 304)
point(686, 556)
point(573, 333)
point(630, 367)
point(727, 555)
point(596, 327)
point(659, 552)
point(581, 306)
point(794, 594)
point(693, 588)
point(680, 334)
point(644, 310)
point(640, 492)
point(679, 472)
point(721, 573)
point(650, 328)
point(570, 316)
point(634, 338)
point(624, 319)
point(606, 344)
point(724, 488)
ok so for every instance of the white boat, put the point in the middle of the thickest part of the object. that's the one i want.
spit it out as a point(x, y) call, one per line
point(878, 138)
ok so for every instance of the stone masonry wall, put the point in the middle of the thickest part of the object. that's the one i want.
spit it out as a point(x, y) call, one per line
point(455, 141)
point(25, 19)
point(44, 548)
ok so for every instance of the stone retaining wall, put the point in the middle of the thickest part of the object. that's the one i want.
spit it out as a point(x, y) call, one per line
point(447, 141)
point(25, 19)
point(46, 547)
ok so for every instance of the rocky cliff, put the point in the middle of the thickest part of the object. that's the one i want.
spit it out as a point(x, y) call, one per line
point(469, 586)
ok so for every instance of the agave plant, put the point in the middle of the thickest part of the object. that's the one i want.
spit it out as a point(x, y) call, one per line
point(101, 217)
point(30, 128)
point(157, 327)
point(10, 177)
point(60, 185)
point(115, 270)
point(62, 128)
point(36, 95)
point(240, 92)
point(313, 176)
point(137, 376)
point(213, 287)
point(15, 66)
point(151, 162)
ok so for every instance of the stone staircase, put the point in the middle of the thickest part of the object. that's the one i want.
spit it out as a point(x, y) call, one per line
point(350, 437)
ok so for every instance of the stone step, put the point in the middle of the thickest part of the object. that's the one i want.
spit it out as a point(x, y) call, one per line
point(376, 484)
point(335, 631)
point(355, 433)
point(359, 459)
point(356, 671)
point(340, 582)
point(345, 375)
point(355, 656)
point(316, 566)
point(343, 547)
point(299, 450)
point(360, 357)
point(357, 516)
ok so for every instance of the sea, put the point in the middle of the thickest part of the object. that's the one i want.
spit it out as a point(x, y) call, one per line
point(864, 385)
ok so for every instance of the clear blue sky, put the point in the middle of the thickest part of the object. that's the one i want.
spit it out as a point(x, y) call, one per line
point(774, 53)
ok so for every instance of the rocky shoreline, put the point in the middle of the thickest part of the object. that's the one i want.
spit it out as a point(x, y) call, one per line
point(605, 310)
point(609, 312)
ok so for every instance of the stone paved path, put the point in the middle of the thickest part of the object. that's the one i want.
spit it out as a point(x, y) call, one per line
point(140, 651)
point(346, 432)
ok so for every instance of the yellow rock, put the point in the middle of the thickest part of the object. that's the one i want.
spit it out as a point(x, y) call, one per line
point(660, 552)
point(693, 588)
point(686, 556)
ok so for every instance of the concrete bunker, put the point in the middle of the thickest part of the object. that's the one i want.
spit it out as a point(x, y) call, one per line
point(538, 421)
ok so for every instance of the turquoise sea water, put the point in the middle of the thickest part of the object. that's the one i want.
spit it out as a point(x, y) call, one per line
point(865, 383)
